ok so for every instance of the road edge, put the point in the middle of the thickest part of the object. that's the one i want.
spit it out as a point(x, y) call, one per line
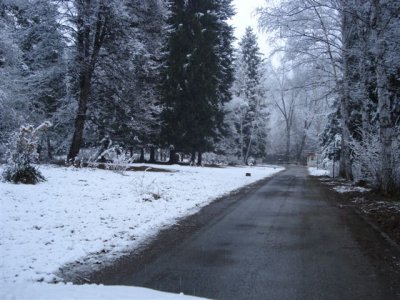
point(89, 272)
point(377, 246)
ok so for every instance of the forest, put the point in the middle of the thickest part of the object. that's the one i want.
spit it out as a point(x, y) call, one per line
point(86, 81)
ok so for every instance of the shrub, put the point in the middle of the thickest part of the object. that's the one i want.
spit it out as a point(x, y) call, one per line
point(26, 174)
point(22, 153)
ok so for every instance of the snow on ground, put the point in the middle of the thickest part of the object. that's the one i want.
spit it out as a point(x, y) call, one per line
point(62, 291)
point(317, 172)
point(348, 188)
point(78, 213)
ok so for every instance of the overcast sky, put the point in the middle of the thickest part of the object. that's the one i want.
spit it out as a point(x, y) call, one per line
point(245, 17)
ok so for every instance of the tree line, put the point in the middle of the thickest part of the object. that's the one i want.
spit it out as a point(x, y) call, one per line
point(137, 74)
point(159, 74)
point(353, 46)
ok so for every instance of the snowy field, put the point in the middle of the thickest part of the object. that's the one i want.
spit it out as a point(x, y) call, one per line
point(318, 172)
point(78, 213)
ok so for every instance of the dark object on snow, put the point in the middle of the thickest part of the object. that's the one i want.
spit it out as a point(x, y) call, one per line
point(248, 174)
point(102, 159)
point(361, 183)
point(25, 175)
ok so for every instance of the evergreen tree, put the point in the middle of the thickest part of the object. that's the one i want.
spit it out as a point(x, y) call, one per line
point(125, 81)
point(226, 57)
point(148, 59)
point(197, 74)
point(12, 104)
point(249, 107)
point(43, 47)
point(32, 30)
point(117, 59)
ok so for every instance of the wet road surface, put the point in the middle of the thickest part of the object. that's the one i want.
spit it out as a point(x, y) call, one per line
point(282, 241)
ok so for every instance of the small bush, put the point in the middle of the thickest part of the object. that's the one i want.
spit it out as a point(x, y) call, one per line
point(22, 153)
point(23, 174)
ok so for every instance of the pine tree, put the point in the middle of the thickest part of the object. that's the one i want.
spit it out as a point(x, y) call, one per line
point(32, 30)
point(151, 35)
point(226, 58)
point(43, 48)
point(12, 104)
point(125, 82)
point(250, 109)
point(197, 74)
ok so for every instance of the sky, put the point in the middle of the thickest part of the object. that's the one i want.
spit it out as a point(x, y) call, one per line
point(245, 17)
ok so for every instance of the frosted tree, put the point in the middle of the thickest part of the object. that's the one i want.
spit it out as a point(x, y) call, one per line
point(43, 48)
point(249, 106)
point(127, 77)
point(11, 67)
point(33, 70)
point(298, 105)
point(94, 22)
point(309, 33)
point(385, 37)
point(356, 49)
point(23, 153)
point(285, 97)
point(117, 50)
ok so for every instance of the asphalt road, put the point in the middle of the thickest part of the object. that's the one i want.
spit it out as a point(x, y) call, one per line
point(282, 241)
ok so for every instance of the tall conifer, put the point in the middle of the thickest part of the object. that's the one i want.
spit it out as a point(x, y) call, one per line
point(197, 74)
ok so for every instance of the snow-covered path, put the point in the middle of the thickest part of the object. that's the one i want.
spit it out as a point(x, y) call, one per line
point(80, 212)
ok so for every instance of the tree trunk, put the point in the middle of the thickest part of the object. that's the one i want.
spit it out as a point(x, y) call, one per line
point(84, 84)
point(49, 147)
point(287, 154)
point(246, 158)
point(89, 40)
point(345, 167)
point(242, 158)
point(200, 159)
point(386, 132)
point(193, 158)
point(302, 144)
point(172, 157)
point(141, 159)
point(152, 154)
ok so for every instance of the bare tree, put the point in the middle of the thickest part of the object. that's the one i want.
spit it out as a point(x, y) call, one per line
point(355, 44)
point(284, 99)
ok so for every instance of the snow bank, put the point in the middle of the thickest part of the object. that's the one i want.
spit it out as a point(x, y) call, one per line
point(81, 213)
point(317, 172)
point(78, 292)
point(347, 189)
